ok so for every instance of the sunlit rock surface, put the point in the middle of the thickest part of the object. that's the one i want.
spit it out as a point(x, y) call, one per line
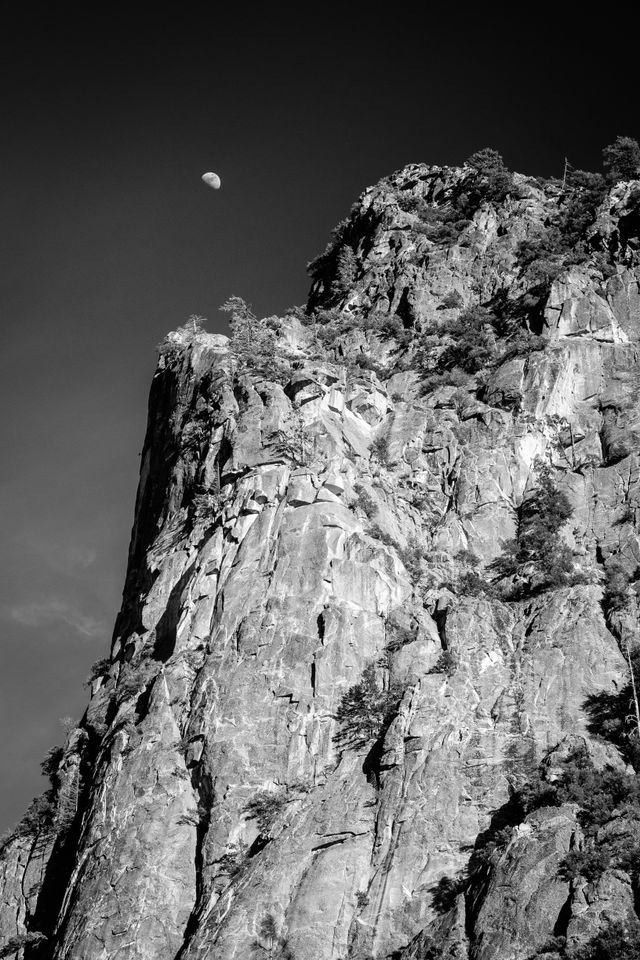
point(244, 622)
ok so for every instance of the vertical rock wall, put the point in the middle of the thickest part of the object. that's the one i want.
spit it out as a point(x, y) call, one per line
point(271, 562)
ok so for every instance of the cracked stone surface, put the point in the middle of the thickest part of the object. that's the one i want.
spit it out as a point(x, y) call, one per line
point(242, 627)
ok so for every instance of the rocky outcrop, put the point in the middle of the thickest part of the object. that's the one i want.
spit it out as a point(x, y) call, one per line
point(289, 533)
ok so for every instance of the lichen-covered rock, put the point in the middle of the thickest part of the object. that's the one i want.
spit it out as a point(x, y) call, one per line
point(291, 532)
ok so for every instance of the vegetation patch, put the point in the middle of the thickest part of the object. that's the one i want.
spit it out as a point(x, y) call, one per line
point(608, 803)
point(270, 943)
point(34, 940)
point(446, 663)
point(616, 716)
point(234, 859)
point(206, 507)
point(366, 711)
point(619, 578)
point(365, 502)
point(478, 340)
point(380, 450)
point(253, 341)
point(265, 807)
point(411, 556)
point(399, 637)
point(98, 669)
point(536, 559)
point(45, 815)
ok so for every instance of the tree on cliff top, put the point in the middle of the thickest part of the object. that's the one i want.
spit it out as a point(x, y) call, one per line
point(252, 342)
point(496, 179)
point(486, 161)
point(621, 159)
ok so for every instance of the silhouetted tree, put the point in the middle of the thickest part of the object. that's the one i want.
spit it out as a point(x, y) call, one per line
point(497, 180)
point(621, 159)
point(486, 161)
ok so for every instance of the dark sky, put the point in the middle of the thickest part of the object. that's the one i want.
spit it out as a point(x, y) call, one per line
point(109, 116)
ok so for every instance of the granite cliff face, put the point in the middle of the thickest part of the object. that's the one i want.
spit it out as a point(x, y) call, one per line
point(339, 507)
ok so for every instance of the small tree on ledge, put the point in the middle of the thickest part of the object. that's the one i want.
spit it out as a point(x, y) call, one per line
point(537, 558)
point(365, 711)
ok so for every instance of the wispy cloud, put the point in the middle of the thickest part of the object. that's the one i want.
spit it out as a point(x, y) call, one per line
point(82, 557)
point(63, 556)
point(42, 613)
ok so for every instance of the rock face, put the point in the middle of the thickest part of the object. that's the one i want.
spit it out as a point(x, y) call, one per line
point(289, 533)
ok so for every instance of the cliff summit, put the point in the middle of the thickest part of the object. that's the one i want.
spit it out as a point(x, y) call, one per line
point(372, 689)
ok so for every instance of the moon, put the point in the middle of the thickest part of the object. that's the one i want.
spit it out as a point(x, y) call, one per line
point(212, 180)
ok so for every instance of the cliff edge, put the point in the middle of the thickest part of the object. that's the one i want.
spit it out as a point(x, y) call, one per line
point(375, 653)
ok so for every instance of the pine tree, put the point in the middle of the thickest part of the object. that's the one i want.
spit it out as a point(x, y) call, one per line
point(486, 161)
point(621, 159)
point(497, 181)
point(536, 556)
point(252, 342)
point(264, 807)
point(474, 345)
point(365, 710)
point(346, 269)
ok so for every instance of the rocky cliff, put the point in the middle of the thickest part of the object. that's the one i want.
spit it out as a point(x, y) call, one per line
point(350, 695)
